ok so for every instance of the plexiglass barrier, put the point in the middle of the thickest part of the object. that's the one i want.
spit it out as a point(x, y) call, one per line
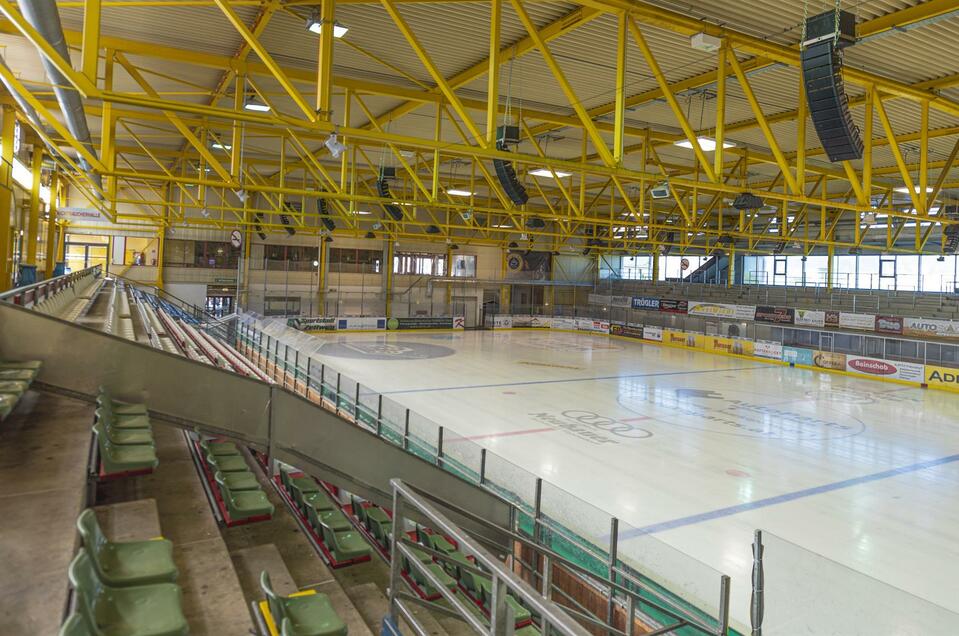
point(675, 588)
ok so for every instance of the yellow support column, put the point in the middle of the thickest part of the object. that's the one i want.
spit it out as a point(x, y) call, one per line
point(655, 266)
point(161, 236)
point(62, 243)
point(620, 97)
point(504, 289)
point(492, 80)
point(33, 222)
point(324, 74)
point(6, 194)
point(321, 278)
point(52, 227)
point(731, 270)
point(829, 260)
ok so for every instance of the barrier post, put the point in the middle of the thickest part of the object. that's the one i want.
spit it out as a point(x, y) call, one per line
point(613, 557)
point(379, 415)
point(482, 466)
point(406, 431)
point(439, 446)
point(757, 600)
point(356, 404)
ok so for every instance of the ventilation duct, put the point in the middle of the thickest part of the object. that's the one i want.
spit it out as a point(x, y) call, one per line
point(44, 17)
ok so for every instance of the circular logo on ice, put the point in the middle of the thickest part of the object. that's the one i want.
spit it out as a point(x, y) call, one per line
point(383, 350)
point(740, 413)
point(591, 427)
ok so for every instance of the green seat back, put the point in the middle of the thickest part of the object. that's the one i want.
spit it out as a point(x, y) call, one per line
point(221, 482)
point(272, 598)
point(89, 528)
point(286, 629)
point(85, 581)
point(77, 625)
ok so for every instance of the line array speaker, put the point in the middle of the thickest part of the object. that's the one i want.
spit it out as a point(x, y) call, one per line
point(828, 104)
point(507, 178)
point(324, 211)
point(383, 189)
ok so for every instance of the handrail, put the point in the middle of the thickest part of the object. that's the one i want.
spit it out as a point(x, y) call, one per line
point(27, 293)
point(502, 577)
point(162, 293)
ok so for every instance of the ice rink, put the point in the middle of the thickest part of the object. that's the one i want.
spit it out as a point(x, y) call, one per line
point(697, 449)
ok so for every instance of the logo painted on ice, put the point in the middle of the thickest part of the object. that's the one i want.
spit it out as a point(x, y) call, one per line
point(875, 367)
point(592, 427)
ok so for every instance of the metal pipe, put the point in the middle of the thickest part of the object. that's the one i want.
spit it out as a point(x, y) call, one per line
point(45, 18)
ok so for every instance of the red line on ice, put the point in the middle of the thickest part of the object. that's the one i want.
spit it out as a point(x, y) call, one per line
point(527, 431)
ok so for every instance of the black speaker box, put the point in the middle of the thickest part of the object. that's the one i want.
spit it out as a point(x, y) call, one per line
point(828, 104)
point(508, 179)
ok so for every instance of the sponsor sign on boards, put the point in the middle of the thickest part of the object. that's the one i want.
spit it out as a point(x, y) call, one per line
point(720, 310)
point(504, 321)
point(541, 321)
point(459, 322)
point(829, 360)
point(646, 302)
point(599, 299)
point(420, 322)
point(885, 368)
point(810, 317)
point(930, 327)
point(831, 318)
point(620, 301)
point(653, 333)
point(764, 349)
point(626, 330)
point(795, 355)
point(520, 320)
point(360, 323)
point(737, 346)
point(775, 315)
point(673, 306)
point(312, 324)
point(588, 324)
point(889, 324)
point(865, 322)
point(942, 378)
point(563, 323)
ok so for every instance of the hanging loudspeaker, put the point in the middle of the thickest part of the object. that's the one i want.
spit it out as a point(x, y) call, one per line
point(828, 103)
point(383, 189)
point(508, 179)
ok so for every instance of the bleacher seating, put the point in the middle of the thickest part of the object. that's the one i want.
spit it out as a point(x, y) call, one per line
point(236, 490)
point(72, 301)
point(305, 613)
point(124, 438)
point(129, 562)
point(15, 379)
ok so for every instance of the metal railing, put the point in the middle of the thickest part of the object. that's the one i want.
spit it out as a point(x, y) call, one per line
point(503, 580)
point(30, 295)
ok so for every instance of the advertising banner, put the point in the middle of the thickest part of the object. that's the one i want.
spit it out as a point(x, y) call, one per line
point(646, 302)
point(795, 355)
point(720, 310)
point(621, 301)
point(503, 321)
point(684, 339)
point(673, 306)
point(831, 318)
point(626, 330)
point(928, 327)
point(599, 299)
point(588, 324)
point(829, 360)
point(541, 321)
point(810, 318)
point(520, 320)
point(312, 324)
point(865, 322)
point(942, 378)
point(772, 350)
point(653, 333)
point(459, 322)
point(529, 265)
point(775, 315)
point(885, 368)
point(361, 323)
point(420, 322)
point(718, 344)
point(889, 324)
point(562, 323)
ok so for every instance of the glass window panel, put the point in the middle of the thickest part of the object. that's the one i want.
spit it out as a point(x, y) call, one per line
point(868, 272)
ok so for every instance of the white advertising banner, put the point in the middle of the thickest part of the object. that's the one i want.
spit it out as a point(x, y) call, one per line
point(865, 322)
point(599, 299)
point(621, 301)
point(558, 322)
point(360, 323)
point(459, 322)
point(720, 310)
point(503, 321)
point(653, 333)
point(886, 368)
point(588, 324)
point(810, 318)
point(930, 327)
point(764, 349)
point(541, 321)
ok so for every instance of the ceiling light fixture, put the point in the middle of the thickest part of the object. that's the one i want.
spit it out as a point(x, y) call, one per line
point(545, 172)
point(314, 24)
point(334, 145)
point(708, 144)
point(216, 145)
point(905, 190)
point(453, 192)
point(253, 102)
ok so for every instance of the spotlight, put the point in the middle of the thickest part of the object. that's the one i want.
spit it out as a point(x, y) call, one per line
point(205, 213)
point(316, 263)
point(512, 245)
point(315, 25)
point(335, 146)
point(241, 195)
point(254, 103)
point(370, 235)
point(454, 246)
point(328, 239)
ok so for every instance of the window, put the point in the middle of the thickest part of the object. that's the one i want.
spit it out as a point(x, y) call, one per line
point(357, 261)
point(295, 258)
point(215, 255)
point(637, 267)
point(844, 273)
point(463, 265)
point(281, 306)
point(868, 272)
point(907, 272)
point(938, 276)
point(424, 264)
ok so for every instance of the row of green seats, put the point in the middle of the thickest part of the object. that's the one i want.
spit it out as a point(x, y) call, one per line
point(123, 588)
point(306, 613)
point(124, 436)
point(376, 520)
point(239, 489)
point(329, 523)
point(479, 586)
point(15, 379)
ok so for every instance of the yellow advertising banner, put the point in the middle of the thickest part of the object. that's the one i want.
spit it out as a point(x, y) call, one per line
point(942, 378)
point(736, 346)
point(684, 339)
point(830, 360)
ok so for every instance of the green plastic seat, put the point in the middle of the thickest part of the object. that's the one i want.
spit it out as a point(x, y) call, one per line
point(120, 408)
point(128, 436)
point(243, 504)
point(219, 449)
point(119, 459)
point(344, 545)
point(124, 422)
point(14, 387)
point(435, 541)
point(7, 402)
point(32, 365)
point(302, 615)
point(435, 568)
point(77, 625)
point(139, 610)
point(126, 563)
point(22, 375)
point(305, 492)
point(358, 510)
point(335, 519)
point(527, 630)
point(228, 463)
point(241, 481)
